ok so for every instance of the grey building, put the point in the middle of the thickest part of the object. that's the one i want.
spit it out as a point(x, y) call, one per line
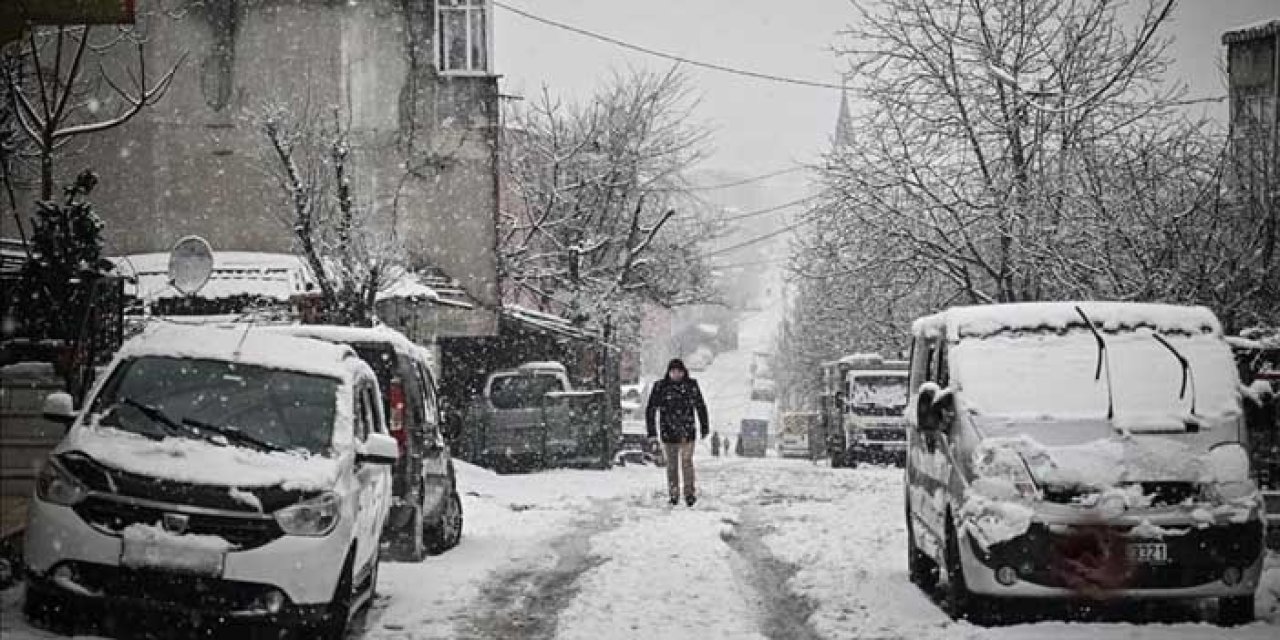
point(1253, 69)
point(412, 80)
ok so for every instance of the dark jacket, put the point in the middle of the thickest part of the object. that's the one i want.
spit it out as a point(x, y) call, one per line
point(675, 403)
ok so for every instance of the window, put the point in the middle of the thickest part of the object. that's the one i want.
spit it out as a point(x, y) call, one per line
point(428, 393)
point(462, 36)
point(365, 417)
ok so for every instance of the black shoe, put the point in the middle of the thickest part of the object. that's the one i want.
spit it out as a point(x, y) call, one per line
point(689, 500)
point(675, 501)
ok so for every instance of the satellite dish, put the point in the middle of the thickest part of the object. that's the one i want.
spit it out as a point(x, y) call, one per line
point(190, 264)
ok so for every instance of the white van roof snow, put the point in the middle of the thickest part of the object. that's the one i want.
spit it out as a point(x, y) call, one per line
point(986, 320)
point(248, 345)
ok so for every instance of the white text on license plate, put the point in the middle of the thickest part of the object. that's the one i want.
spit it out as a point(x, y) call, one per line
point(1149, 552)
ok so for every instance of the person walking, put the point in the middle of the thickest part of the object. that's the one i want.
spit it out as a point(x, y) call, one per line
point(674, 402)
point(715, 444)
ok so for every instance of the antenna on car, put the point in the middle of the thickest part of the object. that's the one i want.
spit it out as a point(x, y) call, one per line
point(1103, 358)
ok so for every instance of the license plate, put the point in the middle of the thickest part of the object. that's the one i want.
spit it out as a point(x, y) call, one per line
point(172, 555)
point(1149, 553)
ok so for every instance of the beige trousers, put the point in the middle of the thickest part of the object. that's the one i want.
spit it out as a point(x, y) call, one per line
point(680, 462)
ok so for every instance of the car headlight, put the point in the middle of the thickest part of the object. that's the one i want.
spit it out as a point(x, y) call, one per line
point(56, 485)
point(315, 517)
point(1228, 492)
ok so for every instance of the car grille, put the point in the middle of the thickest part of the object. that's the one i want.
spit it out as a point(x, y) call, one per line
point(109, 480)
point(1161, 494)
point(247, 532)
point(165, 589)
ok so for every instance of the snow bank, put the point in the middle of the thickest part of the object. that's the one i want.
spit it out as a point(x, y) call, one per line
point(991, 521)
point(199, 461)
point(146, 546)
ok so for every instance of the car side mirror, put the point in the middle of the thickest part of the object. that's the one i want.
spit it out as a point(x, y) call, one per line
point(930, 407)
point(60, 408)
point(378, 448)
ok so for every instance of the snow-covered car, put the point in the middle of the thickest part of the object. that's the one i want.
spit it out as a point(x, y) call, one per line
point(426, 511)
point(700, 358)
point(231, 474)
point(1079, 451)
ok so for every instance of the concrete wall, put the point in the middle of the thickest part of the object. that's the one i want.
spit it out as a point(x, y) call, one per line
point(198, 162)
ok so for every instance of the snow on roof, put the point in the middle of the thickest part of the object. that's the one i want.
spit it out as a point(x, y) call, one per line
point(544, 366)
point(862, 358)
point(1260, 29)
point(544, 321)
point(879, 373)
point(269, 275)
point(347, 335)
point(432, 286)
point(988, 320)
point(249, 345)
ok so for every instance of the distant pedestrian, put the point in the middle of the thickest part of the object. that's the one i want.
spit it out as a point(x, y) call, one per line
point(715, 444)
point(673, 404)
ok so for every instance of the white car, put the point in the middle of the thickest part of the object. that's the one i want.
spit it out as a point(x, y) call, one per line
point(226, 473)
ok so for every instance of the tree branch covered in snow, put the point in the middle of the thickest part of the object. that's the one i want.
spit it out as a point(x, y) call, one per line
point(1011, 150)
point(590, 225)
point(352, 258)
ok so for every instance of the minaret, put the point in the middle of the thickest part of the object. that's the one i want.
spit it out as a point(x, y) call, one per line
point(844, 122)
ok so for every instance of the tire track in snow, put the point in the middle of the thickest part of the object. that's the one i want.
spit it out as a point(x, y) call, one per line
point(526, 601)
point(782, 614)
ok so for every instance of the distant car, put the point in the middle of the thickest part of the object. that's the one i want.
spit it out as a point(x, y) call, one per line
point(226, 473)
point(700, 359)
point(426, 515)
point(753, 438)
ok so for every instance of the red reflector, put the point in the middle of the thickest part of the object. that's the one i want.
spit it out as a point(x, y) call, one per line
point(395, 397)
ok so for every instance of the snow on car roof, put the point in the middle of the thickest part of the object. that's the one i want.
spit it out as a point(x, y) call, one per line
point(248, 345)
point(549, 366)
point(989, 320)
point(348, 335)
point(878, 373)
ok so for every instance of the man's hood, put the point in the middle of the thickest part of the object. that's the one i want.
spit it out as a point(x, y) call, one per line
point(199, 461)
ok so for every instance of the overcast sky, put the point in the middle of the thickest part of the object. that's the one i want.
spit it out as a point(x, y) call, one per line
point(762, 126)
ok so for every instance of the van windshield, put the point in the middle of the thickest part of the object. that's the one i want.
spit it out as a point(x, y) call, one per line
point(225, 402)
point(869, 393)
point(1046, 374)
point(522, 391)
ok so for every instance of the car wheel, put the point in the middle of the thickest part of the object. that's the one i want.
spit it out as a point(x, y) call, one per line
point(1235, 611)
point(446, 533)
point(344, 597)
point(837, 460)
point(921, 568)
point(962, 603)
point(47, 610)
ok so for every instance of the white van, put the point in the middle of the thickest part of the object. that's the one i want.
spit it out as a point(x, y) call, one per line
point(228, 474)
point(1079, 451)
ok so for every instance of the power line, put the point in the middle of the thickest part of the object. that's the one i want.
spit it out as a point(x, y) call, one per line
point(670, 56)
point(755, 240)
point(760, 212)
point(739, 183)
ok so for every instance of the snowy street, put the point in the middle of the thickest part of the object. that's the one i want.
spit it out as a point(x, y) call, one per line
point(773, 549)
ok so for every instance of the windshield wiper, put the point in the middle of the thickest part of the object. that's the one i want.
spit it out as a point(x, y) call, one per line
point(232, 433)
point(154, 415)
point(1187, 372)
point(1103, 357)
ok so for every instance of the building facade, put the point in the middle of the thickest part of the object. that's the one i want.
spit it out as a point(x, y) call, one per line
point(411, 81)
point(1253, 70)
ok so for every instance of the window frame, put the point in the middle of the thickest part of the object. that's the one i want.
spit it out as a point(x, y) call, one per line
point(485, 8)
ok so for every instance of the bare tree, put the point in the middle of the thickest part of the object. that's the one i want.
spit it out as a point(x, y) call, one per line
point(1010, 150)
point(59, 80)
point(590, 228)
point(352, 258)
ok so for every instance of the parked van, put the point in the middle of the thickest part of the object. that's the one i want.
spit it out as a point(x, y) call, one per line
point(426, 511)
point(1079, 450)
point(226, 473)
